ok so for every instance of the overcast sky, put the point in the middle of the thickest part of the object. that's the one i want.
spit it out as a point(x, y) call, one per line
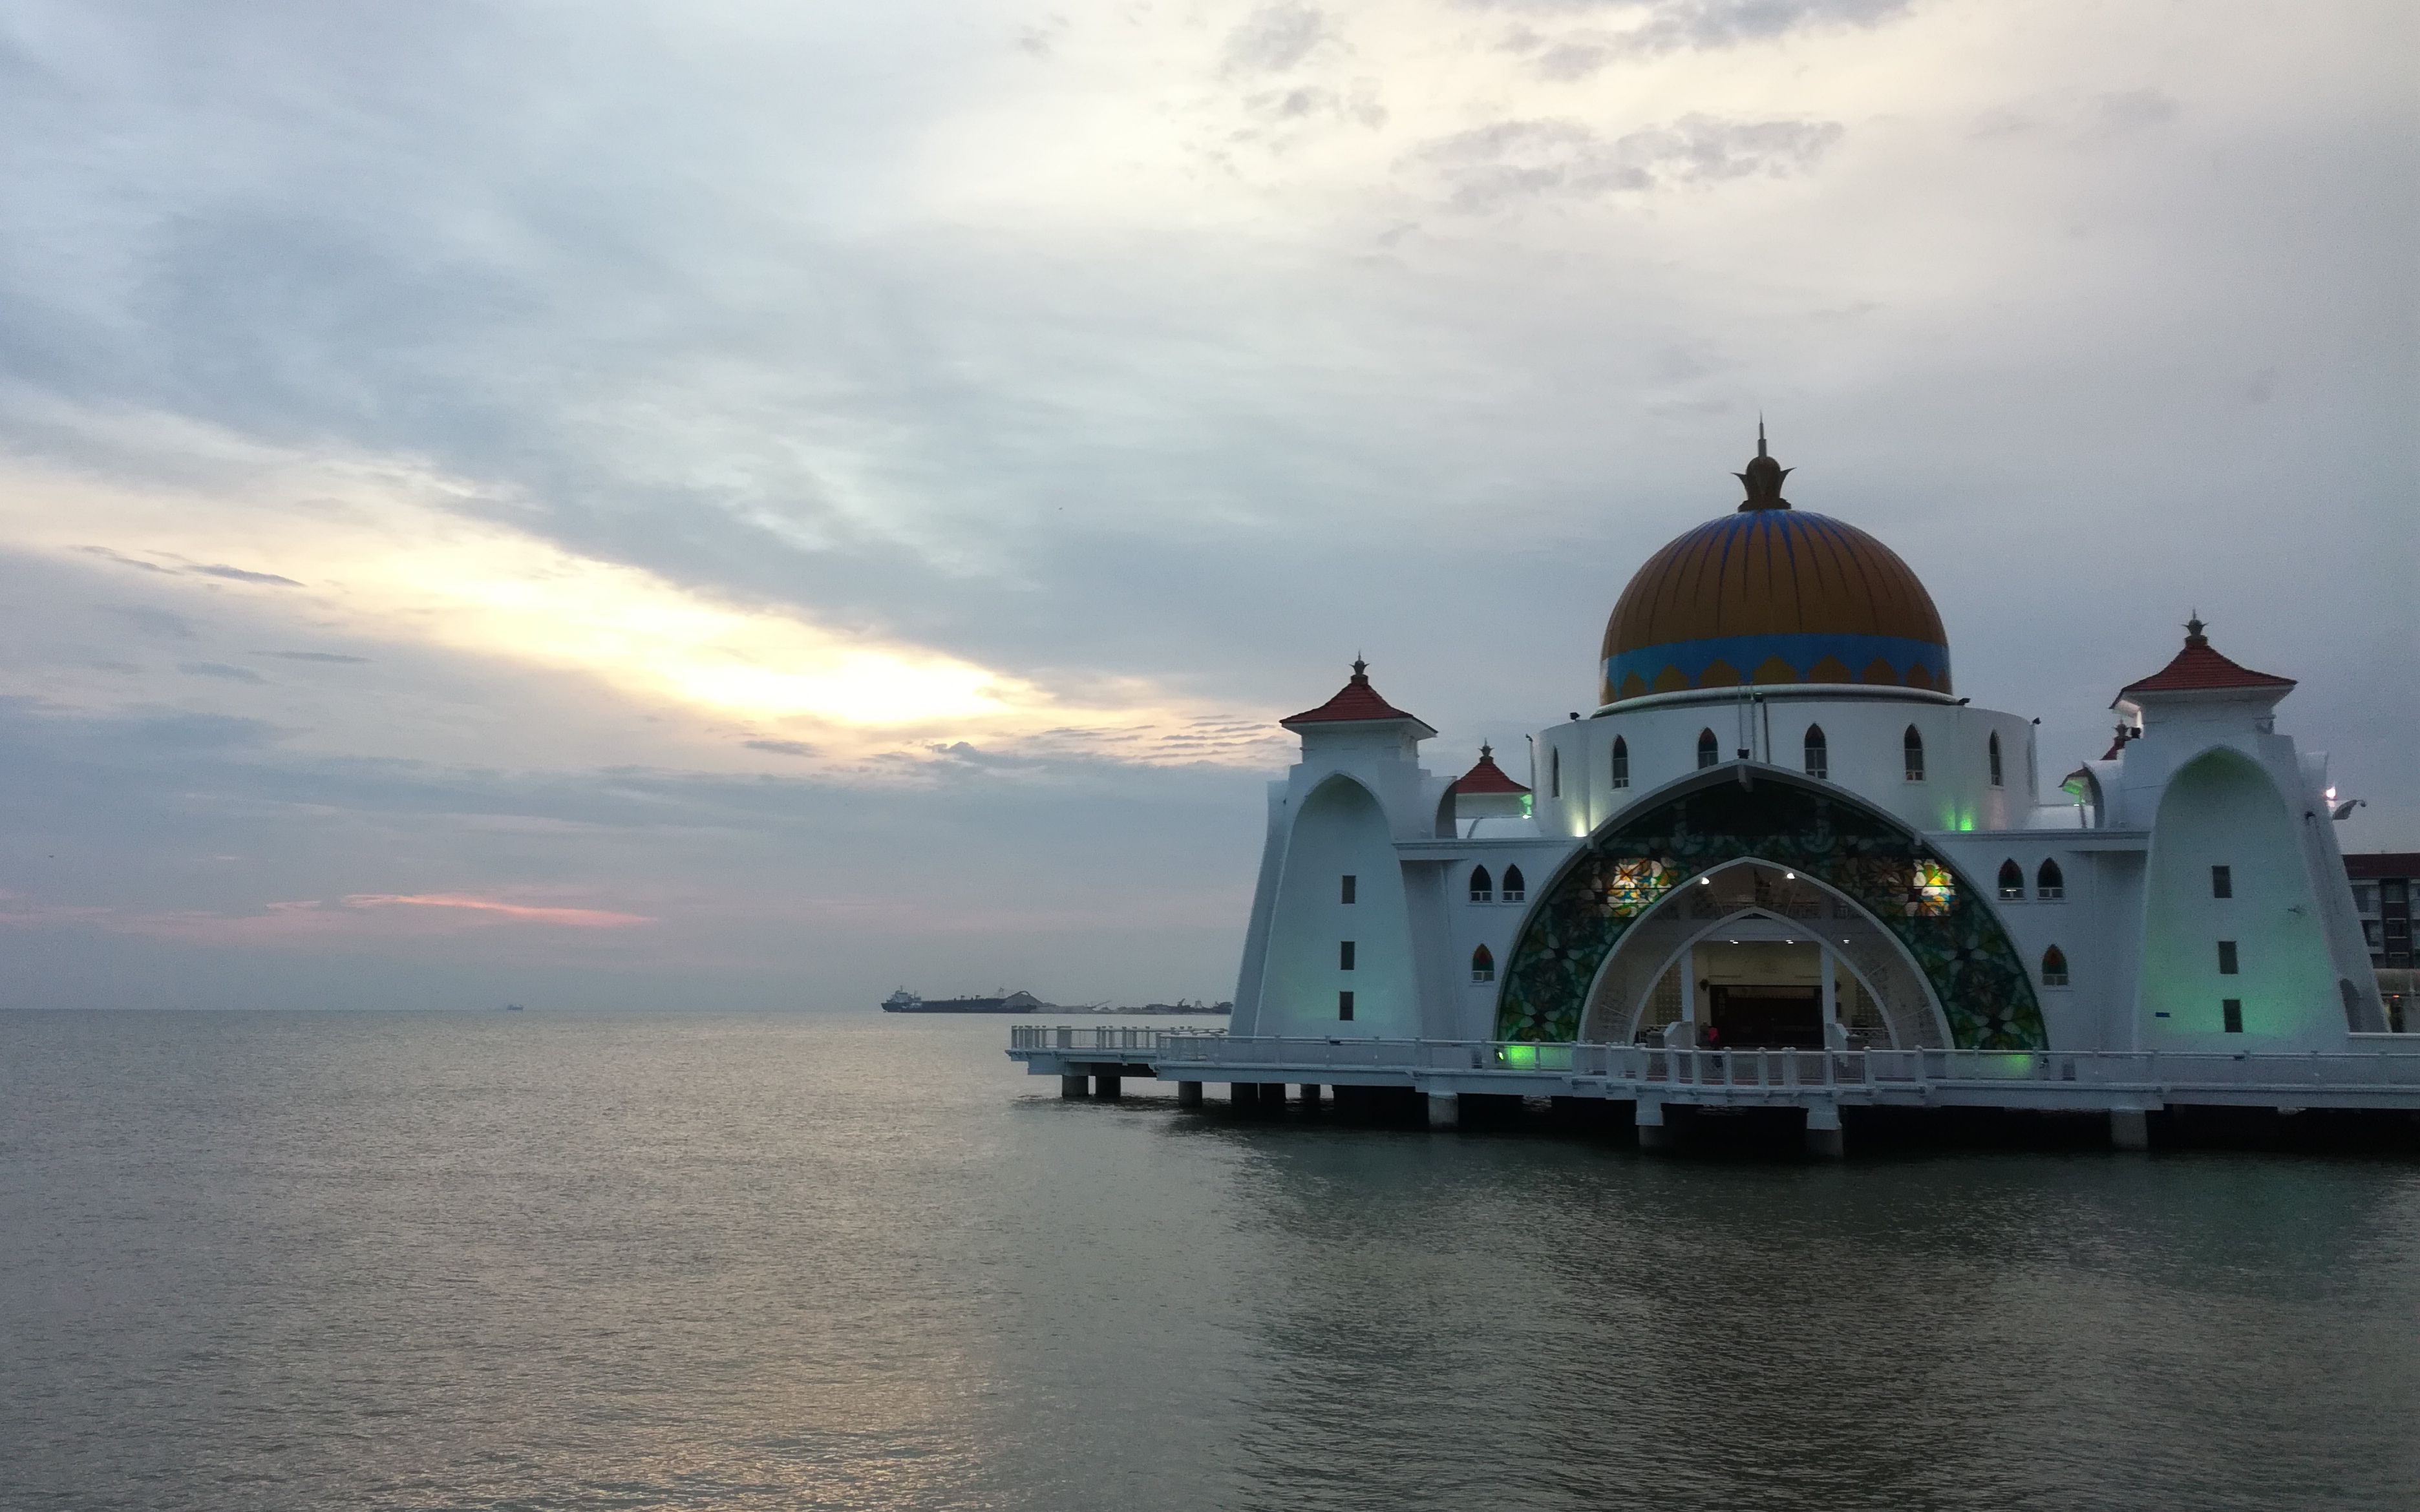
point(726, 504)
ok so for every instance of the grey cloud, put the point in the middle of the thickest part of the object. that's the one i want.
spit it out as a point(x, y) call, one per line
point(771, 872)
point(2077, 119)
point(156, 623)
point(1490, 166)
point(1672, 25)
point(316, 656)
point(1276, 37)
point(166, 731)
point(780, 747)
point(2134, 109)
point(240, 576)
point(1570, 61)
point(121, 559)
point(219, 669)
point(1359, 104)
point(973, 756)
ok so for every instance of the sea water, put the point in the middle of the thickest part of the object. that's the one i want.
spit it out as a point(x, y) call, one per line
point(539, 1260)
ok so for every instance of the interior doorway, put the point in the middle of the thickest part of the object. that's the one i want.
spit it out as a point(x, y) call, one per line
point(1762, 994)
point(1765, 1017)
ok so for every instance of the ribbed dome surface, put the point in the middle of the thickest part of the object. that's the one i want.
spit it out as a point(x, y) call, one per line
point(1773, 594)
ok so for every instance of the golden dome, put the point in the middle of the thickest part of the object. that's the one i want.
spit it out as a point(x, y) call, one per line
point(1772, 595)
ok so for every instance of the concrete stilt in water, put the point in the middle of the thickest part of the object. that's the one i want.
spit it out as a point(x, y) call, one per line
point(1244, 1094)
point(2129, 1128)
point(1652, 1132)
point(1072, 1085)
point(1189, 1094)
point(1445, 1110)
point(1823, 1137)
point(1311, 1094)
point(1105, 1085)
point(1273, 1094)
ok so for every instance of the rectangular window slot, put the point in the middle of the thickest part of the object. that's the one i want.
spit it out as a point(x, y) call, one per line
point(1344, 955)
point(2222, 882)
point(2227, 958)
point(1344, 1005)
point(2230, 1011)
point(1349, 880)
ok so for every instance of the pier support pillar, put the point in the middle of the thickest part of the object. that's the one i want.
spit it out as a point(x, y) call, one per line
point(1105, 1087)
point(1823, 1137)
point(1445, 1110)
point(1311, 1094)
point(1073, 1086)
point(1653, 1134)
point(1273, 1094)
point(2129, 1128)
point(1189, 1094)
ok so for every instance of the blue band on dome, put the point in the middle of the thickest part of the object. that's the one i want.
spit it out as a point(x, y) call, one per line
point(1747, 656)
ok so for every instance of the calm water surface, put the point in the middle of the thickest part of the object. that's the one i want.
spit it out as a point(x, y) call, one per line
point(535, 1261)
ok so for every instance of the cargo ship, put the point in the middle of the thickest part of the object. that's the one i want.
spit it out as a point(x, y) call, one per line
point(904, 1001)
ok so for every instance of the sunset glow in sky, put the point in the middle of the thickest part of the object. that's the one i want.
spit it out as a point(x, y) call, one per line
point(756, 503)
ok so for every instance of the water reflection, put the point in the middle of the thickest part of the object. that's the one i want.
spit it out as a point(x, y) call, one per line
point(541, 1261)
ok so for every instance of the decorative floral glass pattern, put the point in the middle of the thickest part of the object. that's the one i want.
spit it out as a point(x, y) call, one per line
point(1933, 893)
point(1986, 989)
point(1635, 883)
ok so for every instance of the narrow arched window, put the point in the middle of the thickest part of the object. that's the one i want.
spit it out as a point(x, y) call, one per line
point(1819, 752)
point(1621, 762)
point(2050, 883)
point(1482, 965)
point(1514, 889)
point(1554, 773)
point(1913, 745)
point(1710, 750)
point(1994, 751)
point(2012, 882)
point(1482, 886)
point(2053, 968)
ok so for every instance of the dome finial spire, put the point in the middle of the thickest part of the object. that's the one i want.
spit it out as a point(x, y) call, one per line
point(1763, 476)
point(2194, 628)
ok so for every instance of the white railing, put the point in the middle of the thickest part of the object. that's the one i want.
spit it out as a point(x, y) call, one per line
point(2374, 1066)
point(1123, 1038)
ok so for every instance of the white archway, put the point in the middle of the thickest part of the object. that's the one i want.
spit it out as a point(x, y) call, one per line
point(1754, 899)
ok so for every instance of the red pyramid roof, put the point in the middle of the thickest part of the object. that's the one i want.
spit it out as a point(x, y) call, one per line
point(2197, 668)
point(1355, 700)
point(1486, 777)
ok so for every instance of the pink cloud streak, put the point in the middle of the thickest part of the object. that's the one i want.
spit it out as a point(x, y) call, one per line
point(525, 913)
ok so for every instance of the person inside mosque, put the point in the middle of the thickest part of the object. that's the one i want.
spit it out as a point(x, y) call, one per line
point(1782, 826)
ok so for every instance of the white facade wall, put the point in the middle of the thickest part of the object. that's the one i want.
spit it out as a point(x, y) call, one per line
point(1863, 733)
point(2129, 874)
point(1341, 812)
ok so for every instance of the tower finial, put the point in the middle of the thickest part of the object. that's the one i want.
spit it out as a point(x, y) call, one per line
point(2194, 628)
point(1763, 476)
point(1361, 668)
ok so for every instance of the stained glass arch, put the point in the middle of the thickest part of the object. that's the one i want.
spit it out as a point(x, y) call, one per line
point(1984, 987)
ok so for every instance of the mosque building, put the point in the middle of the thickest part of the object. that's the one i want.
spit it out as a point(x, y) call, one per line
point(1783, 827)
point(1785, 864)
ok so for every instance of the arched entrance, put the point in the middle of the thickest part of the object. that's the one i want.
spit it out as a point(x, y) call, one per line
point(1935, 920)
point(1765, 957)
